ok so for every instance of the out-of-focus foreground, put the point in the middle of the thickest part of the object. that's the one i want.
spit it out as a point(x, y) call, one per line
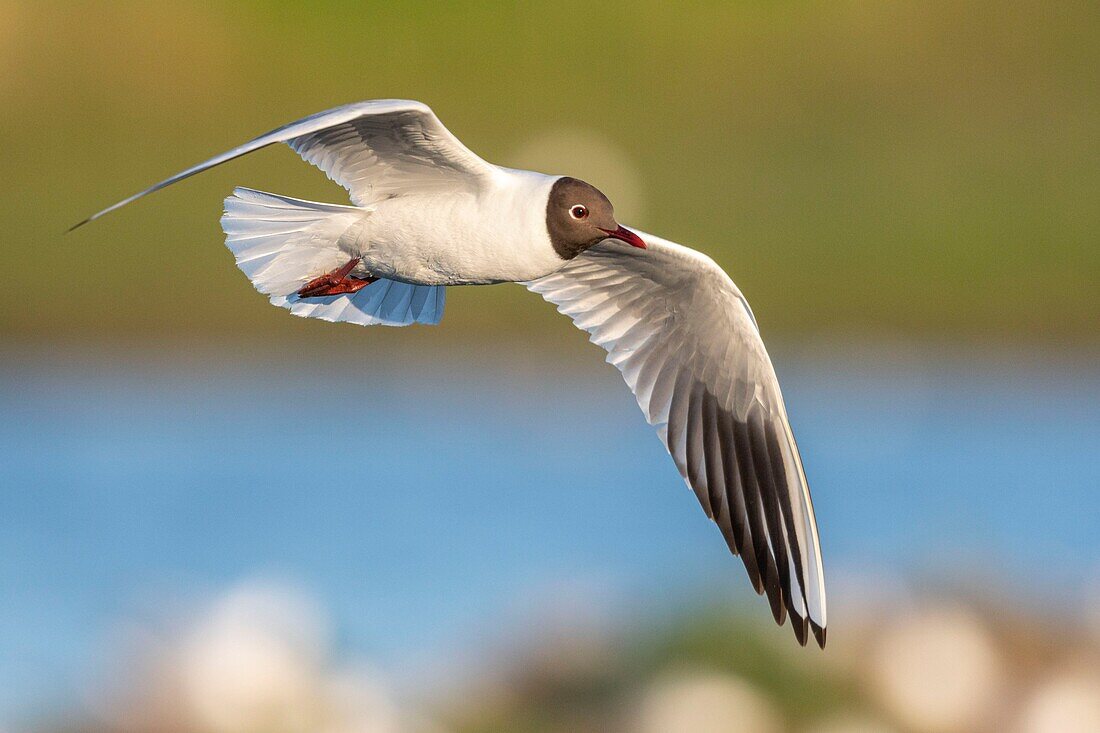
point(259, 659)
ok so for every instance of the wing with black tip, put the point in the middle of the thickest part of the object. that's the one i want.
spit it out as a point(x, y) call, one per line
point(689, 348)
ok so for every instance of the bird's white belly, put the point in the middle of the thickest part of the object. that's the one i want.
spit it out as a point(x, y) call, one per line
point(451, 241)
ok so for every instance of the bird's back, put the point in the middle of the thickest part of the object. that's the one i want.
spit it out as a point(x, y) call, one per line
point(495, 235)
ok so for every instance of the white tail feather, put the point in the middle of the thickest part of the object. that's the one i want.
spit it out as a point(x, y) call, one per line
point(281, 243)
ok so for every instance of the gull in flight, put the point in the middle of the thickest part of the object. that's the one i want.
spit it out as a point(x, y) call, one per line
point(428, 213)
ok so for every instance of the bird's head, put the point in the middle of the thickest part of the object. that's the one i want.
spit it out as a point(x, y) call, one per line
point(578, 216)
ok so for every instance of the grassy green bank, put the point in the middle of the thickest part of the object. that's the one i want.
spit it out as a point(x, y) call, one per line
point(866, 169)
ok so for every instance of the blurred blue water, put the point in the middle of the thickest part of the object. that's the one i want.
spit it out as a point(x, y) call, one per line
point(417, 504)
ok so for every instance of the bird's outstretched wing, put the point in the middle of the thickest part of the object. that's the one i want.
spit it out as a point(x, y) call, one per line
point(376, 150)
point(689, 348)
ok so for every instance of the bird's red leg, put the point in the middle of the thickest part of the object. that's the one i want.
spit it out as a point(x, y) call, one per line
point(336, 282)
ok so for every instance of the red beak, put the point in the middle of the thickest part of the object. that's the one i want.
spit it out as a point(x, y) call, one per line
point(625, 235)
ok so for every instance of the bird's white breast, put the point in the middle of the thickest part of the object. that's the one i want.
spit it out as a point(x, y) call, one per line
point(497, 234)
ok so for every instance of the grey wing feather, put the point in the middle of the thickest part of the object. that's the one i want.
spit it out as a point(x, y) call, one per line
point(374, 149)
point(689, 348)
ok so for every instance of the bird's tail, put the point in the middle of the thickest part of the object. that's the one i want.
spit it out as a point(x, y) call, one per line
point(281, 243)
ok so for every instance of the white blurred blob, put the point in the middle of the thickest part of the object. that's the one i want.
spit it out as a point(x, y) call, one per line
point(850, 724)
point(937, 670)
point(592, 157)
point(1069, 702)
point(254, 661)
point(704, 703)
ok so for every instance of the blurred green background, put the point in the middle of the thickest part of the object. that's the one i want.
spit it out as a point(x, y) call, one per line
point(876, 169)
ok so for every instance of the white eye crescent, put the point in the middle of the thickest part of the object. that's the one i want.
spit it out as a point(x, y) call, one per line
point(578, 212)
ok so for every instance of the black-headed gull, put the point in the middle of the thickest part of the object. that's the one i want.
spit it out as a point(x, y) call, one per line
point(428, 213)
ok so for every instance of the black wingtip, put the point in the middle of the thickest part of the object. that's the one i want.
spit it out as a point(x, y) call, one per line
point(819, 634)
point(76, 226)
point(779, 606)
point(800, 631)
point(757, 584)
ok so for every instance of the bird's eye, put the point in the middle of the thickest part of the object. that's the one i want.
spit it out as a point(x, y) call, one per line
point(578, 212)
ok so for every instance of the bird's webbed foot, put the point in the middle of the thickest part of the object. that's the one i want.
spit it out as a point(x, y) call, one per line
point(336, 282)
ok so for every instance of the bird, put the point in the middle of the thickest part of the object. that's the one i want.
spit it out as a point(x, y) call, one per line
point(427, 213)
